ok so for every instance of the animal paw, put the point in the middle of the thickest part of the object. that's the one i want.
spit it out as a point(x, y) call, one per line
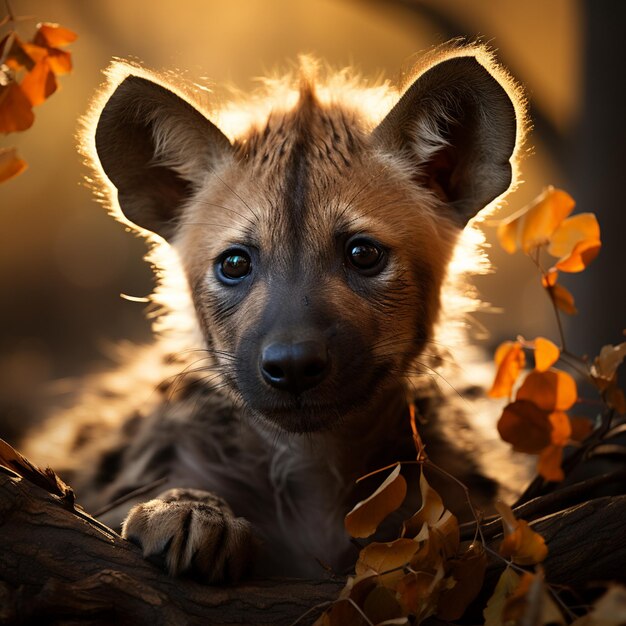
point(195, 532)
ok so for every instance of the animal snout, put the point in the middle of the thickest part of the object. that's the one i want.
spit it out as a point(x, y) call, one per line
point(296, 366)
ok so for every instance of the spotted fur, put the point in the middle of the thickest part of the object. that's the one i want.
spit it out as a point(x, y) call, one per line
point(324, 160)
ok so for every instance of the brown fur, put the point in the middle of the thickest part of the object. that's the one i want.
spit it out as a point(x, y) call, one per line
point(289, 190)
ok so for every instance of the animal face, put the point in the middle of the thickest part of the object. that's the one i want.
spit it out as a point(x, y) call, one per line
point(316, 242)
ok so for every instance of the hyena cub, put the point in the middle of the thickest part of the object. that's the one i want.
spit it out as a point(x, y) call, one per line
point(313, 244)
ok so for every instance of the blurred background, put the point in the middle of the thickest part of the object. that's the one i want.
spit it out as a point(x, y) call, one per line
point(64, 263)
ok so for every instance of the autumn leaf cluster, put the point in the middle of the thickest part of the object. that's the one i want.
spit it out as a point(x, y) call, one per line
point(29, 72)
point(538, 418)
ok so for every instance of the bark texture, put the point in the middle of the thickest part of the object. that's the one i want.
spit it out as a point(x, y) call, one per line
point(59, 566)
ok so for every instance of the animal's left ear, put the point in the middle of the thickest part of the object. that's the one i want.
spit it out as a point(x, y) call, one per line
point(456, 125)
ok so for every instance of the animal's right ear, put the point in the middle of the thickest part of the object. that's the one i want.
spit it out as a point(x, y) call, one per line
point(155, 148)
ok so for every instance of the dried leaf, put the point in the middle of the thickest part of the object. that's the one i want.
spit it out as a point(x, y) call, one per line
point(522, 544)
point(525, 426)
point(510, 360)
point(384, 557)
point(553, 390)
point(429, 513)
point(39, 83)
point(468, 572)
point(530, 603)
point(606, 363)
point(534, 225)
point(418, 592)
point(10, 164)
point(381, 605)
point(546, 354)
point(507, 583)
point(549, 465)
point(53, 35)
point(15, 109)
point(363, 520)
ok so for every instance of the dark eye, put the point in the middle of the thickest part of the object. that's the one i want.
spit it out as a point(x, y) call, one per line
point(365, 255)
point(233, 266)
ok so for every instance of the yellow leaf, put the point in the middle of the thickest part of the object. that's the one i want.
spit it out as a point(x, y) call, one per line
point(546, 354)
point(363, 520)
point(522, 544)
point(507, 583)
point(510, 360)
point(553, 390)
point(10, 164)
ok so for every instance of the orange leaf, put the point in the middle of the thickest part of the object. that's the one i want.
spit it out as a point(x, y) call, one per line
point(549, 465)
point(563, 299)
point(525, 426)
point(14, 52)
point(522, 544)
point(546, 354)
point(561, 428)
point(510, 360)
point(39, 83)
point(553, 390)
point(576, 241)
point(363, 520)
point(10, 164)
point(580, 227)
point(583, 253)
point(549, 278)
point(53, 35)
point(533, 225)
point(15, 109)
point(60, 61)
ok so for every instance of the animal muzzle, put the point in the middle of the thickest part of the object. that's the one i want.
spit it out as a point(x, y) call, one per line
point(295, 366)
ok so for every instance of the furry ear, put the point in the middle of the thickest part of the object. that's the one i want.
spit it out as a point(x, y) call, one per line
point(155, 148)
point(456, 126)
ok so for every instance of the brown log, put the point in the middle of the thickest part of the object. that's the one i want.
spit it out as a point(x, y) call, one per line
point(57, 566)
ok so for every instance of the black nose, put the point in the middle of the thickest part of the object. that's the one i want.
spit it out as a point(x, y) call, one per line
point(295, 367)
